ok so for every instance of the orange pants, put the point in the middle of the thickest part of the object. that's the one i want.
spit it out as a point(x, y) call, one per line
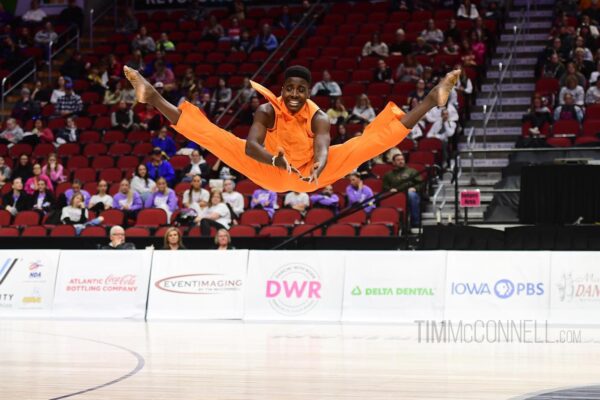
point(383, 133)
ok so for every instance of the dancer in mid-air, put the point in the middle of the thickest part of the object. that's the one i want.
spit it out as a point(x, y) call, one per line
point(287, 148)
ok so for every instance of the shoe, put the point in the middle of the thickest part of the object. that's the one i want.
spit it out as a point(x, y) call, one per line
point(534, 131)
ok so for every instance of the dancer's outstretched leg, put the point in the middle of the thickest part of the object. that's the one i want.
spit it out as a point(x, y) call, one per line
point(145, 93)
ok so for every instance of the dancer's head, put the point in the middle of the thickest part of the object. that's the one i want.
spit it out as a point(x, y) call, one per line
point(296, 87)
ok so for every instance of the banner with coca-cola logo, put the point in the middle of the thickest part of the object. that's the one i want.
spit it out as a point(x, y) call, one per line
point(294, 285)
point(102, 284)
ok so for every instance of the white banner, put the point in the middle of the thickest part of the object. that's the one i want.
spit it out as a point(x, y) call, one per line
point(102, 284)
point(497, 285)
point(575, 287)
point(399, 286)
point(197, 284)
point(294, 285)
point(27, 280)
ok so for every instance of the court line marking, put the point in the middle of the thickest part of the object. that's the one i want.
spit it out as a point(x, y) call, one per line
point(550, 392)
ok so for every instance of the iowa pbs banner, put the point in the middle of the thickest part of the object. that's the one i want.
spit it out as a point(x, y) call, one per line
point(383, 286)
point(294, 285)
point(102, 284)
point(197, 284)
point(27, 282)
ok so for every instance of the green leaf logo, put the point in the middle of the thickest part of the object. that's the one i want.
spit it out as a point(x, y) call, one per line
point(356, 291)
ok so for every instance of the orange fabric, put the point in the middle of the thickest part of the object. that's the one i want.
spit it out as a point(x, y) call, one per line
point(289, 131)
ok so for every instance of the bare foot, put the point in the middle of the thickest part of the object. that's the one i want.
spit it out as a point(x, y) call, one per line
point(143, 89)
point(441, 92)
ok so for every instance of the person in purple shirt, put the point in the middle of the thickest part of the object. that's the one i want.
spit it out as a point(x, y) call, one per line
point(127, 200)
point(326, 199)
point(157, 167)
point(264, 199)
point(165, 142)
point(357, 192)
point(164, 198)
point(76, 188)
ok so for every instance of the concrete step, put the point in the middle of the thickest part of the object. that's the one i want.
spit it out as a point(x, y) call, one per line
point(485, 163)
point(531, 13)
point(529, 61)
point(465, 181)
point(489, 145)
point(502, 106)
point(512, 101)
point(503, 115)
point(509, 37)
point(500, 131)
point(521, 49)
point(537, 4)
point(547, 24)
point(475, 215)
point(528, 73)
point(510, 87)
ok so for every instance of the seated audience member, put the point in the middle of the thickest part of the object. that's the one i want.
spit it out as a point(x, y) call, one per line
point(149, 119)
point(32, 183)
point(574, 89)
point(357, 192)
point(127, 200)
point(223, 240)
point(70, 103)
point(375, 47)
point(342, 135)
point(163, 198)
point(195, 193)
point(44, 36)
point(337, 113)
point(593, 94)
point(213, 30)
point(159, 168)
point(59, 91)
point(72, 15)
point(122, 118)
point(247, 113)
point(75, 189)
point(326, 199)
point(537, 115)
point(401, 46)
point(143, 42)
point(5, 172)
point(165, 44)
point(422, 48)
point(13, 133)
point(26, 108)
point(405, 179)
point(326, 87)
point(113, 94)
point(450, 47)
point(69, 134)
point(54, 170)
point(383, 73)
point(41, 93)
point(165, 142)
point(220, 97)
point(419, 93)
point(23, 169)
point(362, 111)
point(553, 68)
point(410, 70)
point(443, 129)
point(568, 110)
point(42, 199)
point(247, 92)
point(432, 34)
point(141, 183)
point(117, 240)
point(264, 199)
point(197, 166)
point(39, 134)
point(572, 71)
point(102, 200)
point(453, 31)
point(234, 199)
point(16, 200)
point(217, 215)
point(173, 239)
point(297, 201)
point(35, 14)
point(76, 214)
point(266, 40)
point(129, 22)
point(467, 11)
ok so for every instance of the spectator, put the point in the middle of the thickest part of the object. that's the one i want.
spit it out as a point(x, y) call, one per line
point(35, 14)
point(569, 110)
point(173, 239)
point(76, 189)
point(432, 35)
point(247, 115)
point(74, 67)
point(245, 44)
point(23, 169)
point(234, 199)
point(337, 113)
point(217, 215)
point(117, 240)
point(326, 199)
point(586, 52)
point(26, 108)
point(128, 94)
point(122, 117)
point(69, 134)
point(96, 81)
point(220, 170)
point(129, 23)
point(400, 47)
point(223, 240)
point(443, 129)
point(553, 68)
point(159, 168)
point(141, 183)
point(9, 52)
point(149, 118)
point(214, 30)
point(594, 75)
point(16, 200)
point(220, 97)
point(478, 47)
point(265, 200)
point(285, 20)
point(42, 199)
point(246, 92)
point(375, 47)
point(70, 103)
point(197, 167)
point(342, 135)
point(357, 192)
point(32, 183)
point(24, 38)
point(5, 16)
point(143, 42)
point(43, 38)
point(102, 200)
point(114, 69)
point(164, 75)
point(582, 65)
point(5, 172)
point(195, 193)
point(326, 87)
point(453, 31)
point(574, 89)
point(76, 214)
point(410, 70)
point(467, 11)
point(297, 201)
point(59, 91)
point(72, 15)
point(537, 115)
point(54, 170)
point(163, 198)
point(137, 61)
point(572, 71)
point(12, 134)
point(165, 44)
point(238, 10)
point(405, 179)
point(383, 73)
point(127, 200)
point(41, 93)
point(467, 55)
point(113, 94)
point(38, 134)
point(165, 142)
point(450, 47)
point(593, 94)
point(266, 40)
point(362, 111)
point(233, 32)
point(188, 82)
point(419, 93)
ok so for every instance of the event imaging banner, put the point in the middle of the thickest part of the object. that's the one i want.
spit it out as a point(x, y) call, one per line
point(102, 284)
point(27, 280)
point(294, 285)
point(575, 287)
point(485, 285)
point(197, 284)
point(399, 286)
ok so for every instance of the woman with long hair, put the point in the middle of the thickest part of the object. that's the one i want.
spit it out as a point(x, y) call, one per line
point(173, 240)
point(362, 111)
point(77, 214)
point(59, 90)
point(141, 182)
point(195, 193)
point(127, 200)
point(102, 200)
point(54, 170)
point(38, 175)
point(163, 198)
point(217, 215)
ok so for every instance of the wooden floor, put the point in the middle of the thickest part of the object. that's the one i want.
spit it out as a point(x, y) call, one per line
point(112, 360)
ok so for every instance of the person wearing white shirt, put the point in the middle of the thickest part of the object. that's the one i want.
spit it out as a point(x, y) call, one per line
point(435, 114)
point(362, 111)
point(296, 200)
point(101, 201)
point(141, 183)
point(198, 166)
point(35, 14)
point(326, 87)
point(443, 129)
point(467, 11)
point(195, 193)
point(217, 215)
point(233, 198)
point(593, 94)
point(574, 89)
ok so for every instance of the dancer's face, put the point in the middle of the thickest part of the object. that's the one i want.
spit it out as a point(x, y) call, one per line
point(294, 93)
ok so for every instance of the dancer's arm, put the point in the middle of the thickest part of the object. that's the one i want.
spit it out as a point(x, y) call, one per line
point(320, 126)
point(411, 118)
point(263, 118)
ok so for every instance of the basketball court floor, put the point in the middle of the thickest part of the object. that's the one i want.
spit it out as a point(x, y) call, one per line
point(113, 360)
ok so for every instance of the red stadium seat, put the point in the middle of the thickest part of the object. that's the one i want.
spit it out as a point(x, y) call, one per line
point(592, 112)
point(356, 218)
point(255, 218)
point(375, 184)
point(381, 169)
point(18, 149)
point(564, 127)
point(34, 231)
point(287, 217)
point(273, 231)
point(113, 217)
point(62, 230)
point(316, 216)
point(136, 231)
point(85, 175)
point(128, 162)
point(75, 162)
point(5, 218)
point(94, 149)
point(397, 201)
point(340, 230)
point(587, 141)
point(89, 137)
point(242, 231)
point(68, 149)
point(142, 149)
point(559, 142)
point(153, 217)
point(340, 185)
point(422, 157)
point(9, 232)
point(138, 136)
point(26, 218)
point(113, 137)
point(377, 230)
point(547, 85)
point(298, 229)
point(246, 187)
point(61, 188)
point(591, 127)
point(111, 175)
point(179, 162)
point(101, 162)
point(42, 150)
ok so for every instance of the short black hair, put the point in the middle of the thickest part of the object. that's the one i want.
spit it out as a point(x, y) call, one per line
point(298, 71)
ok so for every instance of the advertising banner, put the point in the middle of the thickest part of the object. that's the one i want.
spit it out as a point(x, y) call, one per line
point(294, 285)
point(197, 284)
point(102, 284)
point(399, 286)
point(484, 285)
point(27, 280)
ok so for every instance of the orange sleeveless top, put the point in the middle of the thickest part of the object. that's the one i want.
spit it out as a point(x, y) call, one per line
point(291, 132)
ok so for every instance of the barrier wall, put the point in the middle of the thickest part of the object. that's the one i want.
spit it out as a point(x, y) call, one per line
point(362, 286)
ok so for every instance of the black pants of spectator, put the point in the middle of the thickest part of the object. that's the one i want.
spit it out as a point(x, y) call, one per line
point(33, 140)
point(206, 224)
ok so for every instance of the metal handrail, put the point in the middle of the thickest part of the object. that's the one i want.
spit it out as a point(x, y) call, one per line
point(528, 150)
point(53, 53)
point(4, 92)
point(440, 191)
point(96, 17)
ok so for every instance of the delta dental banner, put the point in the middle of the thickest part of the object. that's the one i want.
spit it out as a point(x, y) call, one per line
point(197, 284)
point(294, 285)
point(401, 286)
point(497, 285)
point(575, 287)
point(27, 280)
point(102, 284)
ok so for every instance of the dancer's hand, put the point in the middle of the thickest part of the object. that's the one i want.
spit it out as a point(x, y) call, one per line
point(282, 162)
point(314, 174)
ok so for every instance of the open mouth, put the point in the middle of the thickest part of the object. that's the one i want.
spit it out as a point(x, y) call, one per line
point(293, 103)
